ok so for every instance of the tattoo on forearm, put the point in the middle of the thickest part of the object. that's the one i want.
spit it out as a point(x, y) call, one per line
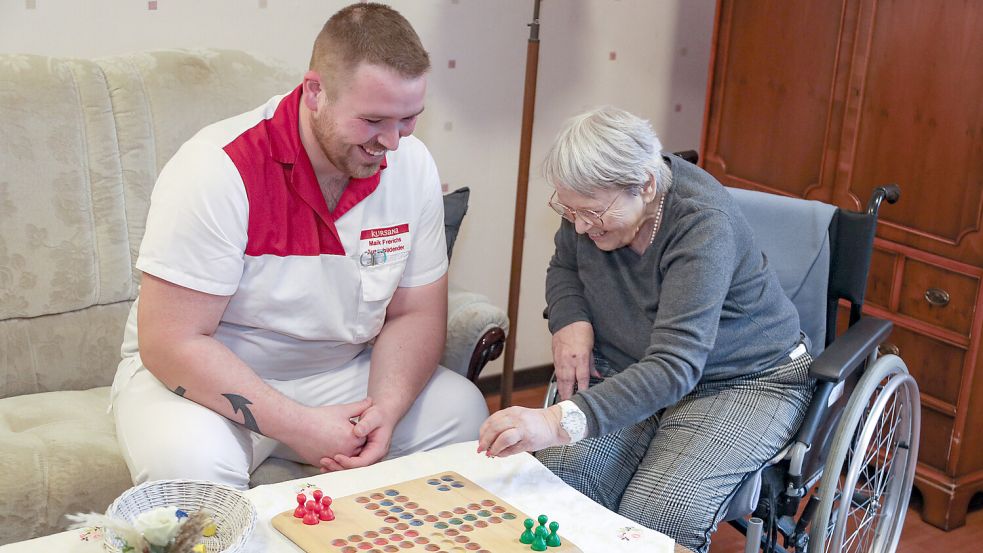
point(240, 403)
point(180, 391)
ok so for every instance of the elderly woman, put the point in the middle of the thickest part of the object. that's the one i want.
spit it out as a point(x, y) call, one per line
point(679, 359)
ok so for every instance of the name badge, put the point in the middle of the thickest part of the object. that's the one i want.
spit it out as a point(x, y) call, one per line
point(384, 245)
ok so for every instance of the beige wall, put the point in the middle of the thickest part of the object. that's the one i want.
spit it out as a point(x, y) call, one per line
point(660, 51)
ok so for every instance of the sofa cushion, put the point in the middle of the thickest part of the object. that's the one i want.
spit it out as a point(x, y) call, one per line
point(275, 469)
point(77, 350)
point(162, 98)
point(63, 240)
point(59, 456)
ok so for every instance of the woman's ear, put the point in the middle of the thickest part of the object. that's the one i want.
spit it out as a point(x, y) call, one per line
point(649, 190)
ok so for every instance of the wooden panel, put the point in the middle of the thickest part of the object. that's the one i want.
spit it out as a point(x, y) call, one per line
point(920, 277)
point(881, 277)
point(933, 449)
point(921, 124)
point(936, 366)
point(771, 120)
point(970, 459)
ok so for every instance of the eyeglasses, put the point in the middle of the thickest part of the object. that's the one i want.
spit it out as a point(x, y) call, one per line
point(587, 215)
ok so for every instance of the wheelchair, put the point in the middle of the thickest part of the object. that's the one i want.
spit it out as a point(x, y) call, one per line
point(844, 482)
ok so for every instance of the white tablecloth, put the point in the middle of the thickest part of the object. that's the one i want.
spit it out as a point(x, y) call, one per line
point(520, 480)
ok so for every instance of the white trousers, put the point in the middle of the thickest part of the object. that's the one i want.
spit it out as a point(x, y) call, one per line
point(163, 435)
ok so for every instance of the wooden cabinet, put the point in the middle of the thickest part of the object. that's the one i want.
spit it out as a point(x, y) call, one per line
point(827, 100)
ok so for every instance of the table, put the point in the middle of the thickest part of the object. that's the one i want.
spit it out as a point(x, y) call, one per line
point(520, 480)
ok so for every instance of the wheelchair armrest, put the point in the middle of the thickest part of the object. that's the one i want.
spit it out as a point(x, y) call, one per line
point(811, 423)
point(832, 367)
point(846, 353)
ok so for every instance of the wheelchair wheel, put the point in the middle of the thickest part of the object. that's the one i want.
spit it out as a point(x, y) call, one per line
point(867, 478)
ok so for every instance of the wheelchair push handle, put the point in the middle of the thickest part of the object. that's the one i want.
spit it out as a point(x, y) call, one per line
point(890, 192)
point(691, 156)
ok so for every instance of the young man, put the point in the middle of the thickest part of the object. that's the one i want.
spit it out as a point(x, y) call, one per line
point(294, 294)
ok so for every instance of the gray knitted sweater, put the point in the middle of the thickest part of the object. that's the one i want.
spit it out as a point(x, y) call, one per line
point(700, 303)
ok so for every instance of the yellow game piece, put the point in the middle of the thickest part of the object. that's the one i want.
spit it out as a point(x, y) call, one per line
point(200, 548)
point(209, 530)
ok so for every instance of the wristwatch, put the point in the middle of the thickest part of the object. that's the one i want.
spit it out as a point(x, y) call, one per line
point(573, 421)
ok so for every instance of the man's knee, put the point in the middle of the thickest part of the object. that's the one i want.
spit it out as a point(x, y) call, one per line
point(450, 409)
point(190, 442)
point(166, 465)
point(468, 407)
point(459, 400)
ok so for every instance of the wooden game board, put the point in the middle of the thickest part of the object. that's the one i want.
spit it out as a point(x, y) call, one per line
point(444, 512)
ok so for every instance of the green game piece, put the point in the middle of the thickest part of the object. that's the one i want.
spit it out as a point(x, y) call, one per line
point(542, 521)
point(553, 540)
point(539, 544)
point(527, 537)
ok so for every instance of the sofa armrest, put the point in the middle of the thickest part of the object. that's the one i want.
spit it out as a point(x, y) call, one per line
point(476, 332)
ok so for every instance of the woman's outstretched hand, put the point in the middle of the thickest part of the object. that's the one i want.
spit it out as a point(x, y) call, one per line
point(519, 429)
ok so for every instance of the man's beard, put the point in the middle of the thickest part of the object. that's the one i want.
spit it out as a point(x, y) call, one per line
point(338, 153)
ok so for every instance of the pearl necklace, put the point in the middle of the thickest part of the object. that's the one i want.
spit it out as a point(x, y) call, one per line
point(662, 203)
point(658, 219)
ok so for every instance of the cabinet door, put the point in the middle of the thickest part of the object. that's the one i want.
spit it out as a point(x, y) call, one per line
point(915, 117)
point(772, 106)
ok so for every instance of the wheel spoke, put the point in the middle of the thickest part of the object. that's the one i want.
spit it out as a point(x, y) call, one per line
point(862, 521)
point(882, 446)
point(877, 461)
point(890, 448)
point(864, 487)
point(872, 493)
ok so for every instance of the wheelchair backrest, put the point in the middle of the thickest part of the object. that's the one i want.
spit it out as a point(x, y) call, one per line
point(794, 236)
point(821, 255)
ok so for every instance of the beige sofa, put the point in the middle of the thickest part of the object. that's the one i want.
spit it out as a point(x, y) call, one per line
point(81, 143)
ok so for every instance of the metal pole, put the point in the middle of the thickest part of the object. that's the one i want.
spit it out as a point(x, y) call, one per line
point(521, 191)
point(752, 542)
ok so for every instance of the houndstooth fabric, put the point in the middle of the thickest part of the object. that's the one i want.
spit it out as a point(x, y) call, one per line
point(676, 471)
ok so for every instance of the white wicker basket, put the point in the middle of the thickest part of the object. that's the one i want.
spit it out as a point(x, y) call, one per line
point(234, 515)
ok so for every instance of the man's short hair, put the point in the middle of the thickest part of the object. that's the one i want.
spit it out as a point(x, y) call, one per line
point(367, 33)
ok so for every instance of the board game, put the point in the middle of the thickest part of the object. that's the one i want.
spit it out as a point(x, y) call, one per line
point(444, 512)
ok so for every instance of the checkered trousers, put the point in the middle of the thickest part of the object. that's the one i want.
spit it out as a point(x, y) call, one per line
point(676, 471)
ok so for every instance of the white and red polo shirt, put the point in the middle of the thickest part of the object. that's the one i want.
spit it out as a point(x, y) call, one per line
point(238, 212)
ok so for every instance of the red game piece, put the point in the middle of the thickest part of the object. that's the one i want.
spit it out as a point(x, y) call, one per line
point(317, 496)
point(310, 518)
point(326, 512)
point(299, 511)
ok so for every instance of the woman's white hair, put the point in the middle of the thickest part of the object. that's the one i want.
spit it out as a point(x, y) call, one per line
point(606, 149)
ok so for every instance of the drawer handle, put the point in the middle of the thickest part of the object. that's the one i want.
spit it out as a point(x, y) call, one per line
point(887, 348)
point(937, 297)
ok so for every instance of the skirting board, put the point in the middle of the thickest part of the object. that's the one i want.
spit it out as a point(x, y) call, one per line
point(529, 377)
